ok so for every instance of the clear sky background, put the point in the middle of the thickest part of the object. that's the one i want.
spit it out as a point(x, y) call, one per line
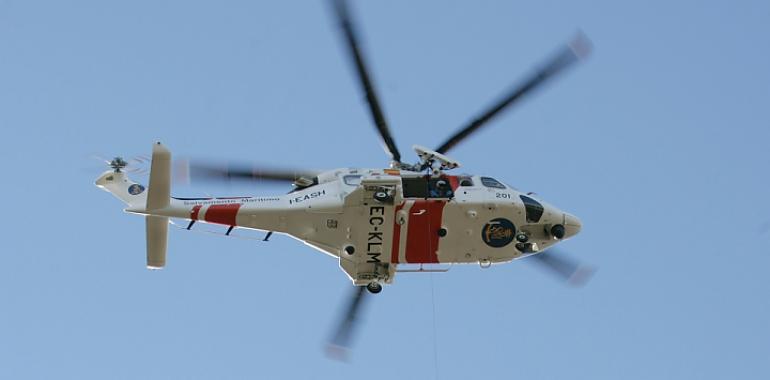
point(658, 142)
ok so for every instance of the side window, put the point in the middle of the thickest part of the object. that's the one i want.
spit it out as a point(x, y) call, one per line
point(414, 187)
point(466, 181)
point(424, 187)
point(533, 208)
point(491, 182)
point(352, 180)
point(439, 188)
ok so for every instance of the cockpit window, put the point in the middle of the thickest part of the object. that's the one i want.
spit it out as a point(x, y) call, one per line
point(533, 209)
point(352, 180)
point(491, 182)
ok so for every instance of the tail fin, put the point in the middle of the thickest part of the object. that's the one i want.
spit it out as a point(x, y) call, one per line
point(159, 193)
point(157, 197)
point(123, 188)
point(133, 194)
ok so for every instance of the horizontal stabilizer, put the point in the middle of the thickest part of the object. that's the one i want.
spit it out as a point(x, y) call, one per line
point(157, 240)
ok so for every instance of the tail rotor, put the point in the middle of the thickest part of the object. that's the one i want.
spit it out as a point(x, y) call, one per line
point(138, 165)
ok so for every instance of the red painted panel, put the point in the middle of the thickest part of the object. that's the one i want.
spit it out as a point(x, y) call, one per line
point(453, 182)
point(396, 235)
point(422, 237)
point(195, 211)
point(222, 214)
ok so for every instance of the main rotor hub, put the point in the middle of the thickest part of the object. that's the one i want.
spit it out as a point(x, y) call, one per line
point(436, 161)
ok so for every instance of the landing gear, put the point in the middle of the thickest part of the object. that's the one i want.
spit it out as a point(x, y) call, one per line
point(374, 287)
point(526, 247)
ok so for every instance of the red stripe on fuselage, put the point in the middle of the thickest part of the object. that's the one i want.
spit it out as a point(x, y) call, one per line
point(453, 182)
point(422, 238)
point(222, 214)
point(396, 235)
point(195, 211)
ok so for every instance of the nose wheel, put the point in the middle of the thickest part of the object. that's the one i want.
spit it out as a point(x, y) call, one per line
point(374, 287)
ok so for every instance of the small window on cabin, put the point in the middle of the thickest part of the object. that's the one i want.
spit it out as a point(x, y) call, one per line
point(491, 182)
point(466, 181)
point(352, 180)
point(533, 208)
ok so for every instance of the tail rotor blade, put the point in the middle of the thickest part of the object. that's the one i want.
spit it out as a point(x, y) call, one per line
point(138, 165)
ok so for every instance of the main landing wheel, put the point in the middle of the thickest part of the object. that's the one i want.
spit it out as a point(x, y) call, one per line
point(374, 287)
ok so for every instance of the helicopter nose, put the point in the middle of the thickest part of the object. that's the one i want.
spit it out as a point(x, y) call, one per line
point(572, 225)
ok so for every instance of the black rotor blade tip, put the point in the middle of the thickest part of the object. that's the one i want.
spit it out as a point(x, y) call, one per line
point(576, 49)
point(351, 40)
point(339, 346)
point(571, 272)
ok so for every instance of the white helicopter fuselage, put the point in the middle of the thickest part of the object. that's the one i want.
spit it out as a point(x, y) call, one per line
point(373, 220)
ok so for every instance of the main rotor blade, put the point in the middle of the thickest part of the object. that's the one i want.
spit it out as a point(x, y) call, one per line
point(340, 343)
point(348, 29)
point(226, 172)
point(571, 272)
point(569, 54)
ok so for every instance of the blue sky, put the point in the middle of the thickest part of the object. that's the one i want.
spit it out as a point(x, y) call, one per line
point(658, 142)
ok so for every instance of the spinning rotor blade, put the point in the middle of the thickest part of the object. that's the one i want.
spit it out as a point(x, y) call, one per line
point(226, 172)
point(139, 165)
point(575, 50)
point(348, 29)
point(340, 343)
point(568, 270)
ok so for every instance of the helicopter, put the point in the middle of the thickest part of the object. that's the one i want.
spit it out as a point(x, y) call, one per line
point(374, 221)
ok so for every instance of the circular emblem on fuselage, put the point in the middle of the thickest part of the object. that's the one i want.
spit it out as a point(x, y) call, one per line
point(498, 232)
point(135, 189)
